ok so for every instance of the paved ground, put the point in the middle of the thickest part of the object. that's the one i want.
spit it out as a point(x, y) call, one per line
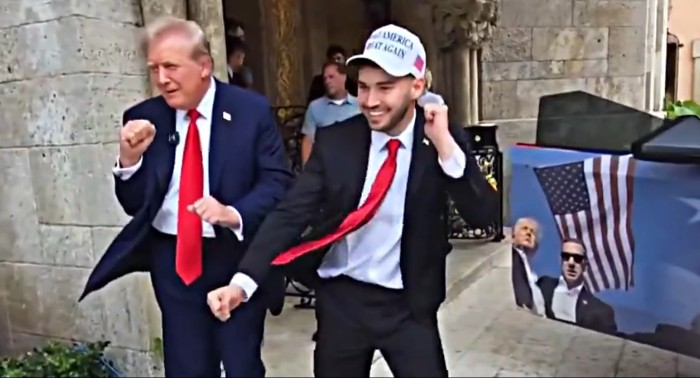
point(484, 336)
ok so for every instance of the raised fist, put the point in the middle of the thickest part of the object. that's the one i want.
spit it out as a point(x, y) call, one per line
point(134, 139)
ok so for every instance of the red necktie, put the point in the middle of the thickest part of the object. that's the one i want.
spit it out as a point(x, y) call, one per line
point(188, 254)
point(355, 219)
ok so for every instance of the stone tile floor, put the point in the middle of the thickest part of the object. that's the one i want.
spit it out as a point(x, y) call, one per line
point(485, 336)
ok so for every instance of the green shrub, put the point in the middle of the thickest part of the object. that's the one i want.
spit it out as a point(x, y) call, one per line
point(675, 109)
point(58, 360)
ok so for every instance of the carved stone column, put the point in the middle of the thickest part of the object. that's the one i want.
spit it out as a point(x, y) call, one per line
point(285, 51)
point(315, 37)
point(152, 9)
point(210, 16)
point(462, 27)
point(416, 15)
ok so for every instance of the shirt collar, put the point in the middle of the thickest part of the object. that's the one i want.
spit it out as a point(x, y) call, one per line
point(206, 105)
point(573, 291)
point(350, 99)
point(380, 139)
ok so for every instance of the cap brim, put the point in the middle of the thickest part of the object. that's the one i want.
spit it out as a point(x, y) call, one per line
point(359, 59)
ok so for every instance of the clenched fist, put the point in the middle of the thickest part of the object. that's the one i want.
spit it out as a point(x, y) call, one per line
point(214, 213)
point(224, 300)
point(436, 122)
point(134, 139)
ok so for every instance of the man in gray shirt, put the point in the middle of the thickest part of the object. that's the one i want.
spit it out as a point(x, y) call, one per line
point(337, 105)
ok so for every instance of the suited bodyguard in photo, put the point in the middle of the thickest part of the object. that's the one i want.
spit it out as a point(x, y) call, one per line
point(526, 238)
point(567, 299)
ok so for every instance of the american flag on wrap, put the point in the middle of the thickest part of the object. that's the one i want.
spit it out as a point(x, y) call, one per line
point(591, 201)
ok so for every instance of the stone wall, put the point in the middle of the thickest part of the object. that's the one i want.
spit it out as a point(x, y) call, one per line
point(68, 70)
point(543, 47)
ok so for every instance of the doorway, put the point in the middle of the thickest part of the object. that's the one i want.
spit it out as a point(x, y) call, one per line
point(320, 23)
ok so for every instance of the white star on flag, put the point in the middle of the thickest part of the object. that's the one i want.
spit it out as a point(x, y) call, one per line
point(695, 204)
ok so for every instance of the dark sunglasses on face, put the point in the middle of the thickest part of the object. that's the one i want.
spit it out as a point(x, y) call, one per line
point(565, 256)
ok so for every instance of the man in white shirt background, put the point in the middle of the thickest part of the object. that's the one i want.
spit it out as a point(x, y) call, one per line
point(567, 299)
point(335, 106)
point(429, 97)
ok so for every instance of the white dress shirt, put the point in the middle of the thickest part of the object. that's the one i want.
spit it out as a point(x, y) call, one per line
point(372, 253)
point(537, 298)
point(564, 301)
point(165, 220)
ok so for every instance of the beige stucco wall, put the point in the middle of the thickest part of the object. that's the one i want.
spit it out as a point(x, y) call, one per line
point(683, 23)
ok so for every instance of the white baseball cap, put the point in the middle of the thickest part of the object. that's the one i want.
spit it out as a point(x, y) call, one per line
point(395, 50)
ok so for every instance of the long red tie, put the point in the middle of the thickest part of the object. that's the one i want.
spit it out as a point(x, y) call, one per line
point(188, 254)
point(355, 219)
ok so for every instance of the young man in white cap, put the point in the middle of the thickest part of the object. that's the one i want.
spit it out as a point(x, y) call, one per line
point(377, 255)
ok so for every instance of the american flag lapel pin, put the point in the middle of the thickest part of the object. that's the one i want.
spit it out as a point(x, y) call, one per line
point(426, 142)
point(227, 116)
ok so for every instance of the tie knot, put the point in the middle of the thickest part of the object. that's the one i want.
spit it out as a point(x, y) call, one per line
point(193, 114)
point(393, 145)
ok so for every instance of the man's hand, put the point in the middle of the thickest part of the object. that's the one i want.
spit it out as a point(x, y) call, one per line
point(437, 129)
point(134, 139)
point(224, 300)
point(213, 212)
point(436, 123)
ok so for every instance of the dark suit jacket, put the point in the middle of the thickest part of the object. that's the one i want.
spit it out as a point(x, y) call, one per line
point(332, 181)
point(248, 170)
point(591, 312)
point(521, 285)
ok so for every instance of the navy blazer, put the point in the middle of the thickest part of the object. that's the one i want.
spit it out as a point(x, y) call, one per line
point(248, 170)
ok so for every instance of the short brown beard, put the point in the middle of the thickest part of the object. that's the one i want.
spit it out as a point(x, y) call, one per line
point(396, 118)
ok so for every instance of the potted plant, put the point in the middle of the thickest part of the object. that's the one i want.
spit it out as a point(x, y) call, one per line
point(60, 360)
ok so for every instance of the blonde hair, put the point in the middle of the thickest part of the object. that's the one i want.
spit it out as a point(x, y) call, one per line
point(428, 76)
point(167, 25)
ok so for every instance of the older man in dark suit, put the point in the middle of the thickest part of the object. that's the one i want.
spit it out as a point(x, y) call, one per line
point(526, 238)
point(199, 168)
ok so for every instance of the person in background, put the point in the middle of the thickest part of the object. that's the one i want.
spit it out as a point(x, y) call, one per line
point(429, 97)
point(337, 54)
point(235, 30)
point(337, 105)
point(238, 73)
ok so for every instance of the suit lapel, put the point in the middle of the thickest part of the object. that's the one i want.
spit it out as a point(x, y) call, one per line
point(221, 131)
point(582, 302)
point(165, 126)
point(421, 157)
